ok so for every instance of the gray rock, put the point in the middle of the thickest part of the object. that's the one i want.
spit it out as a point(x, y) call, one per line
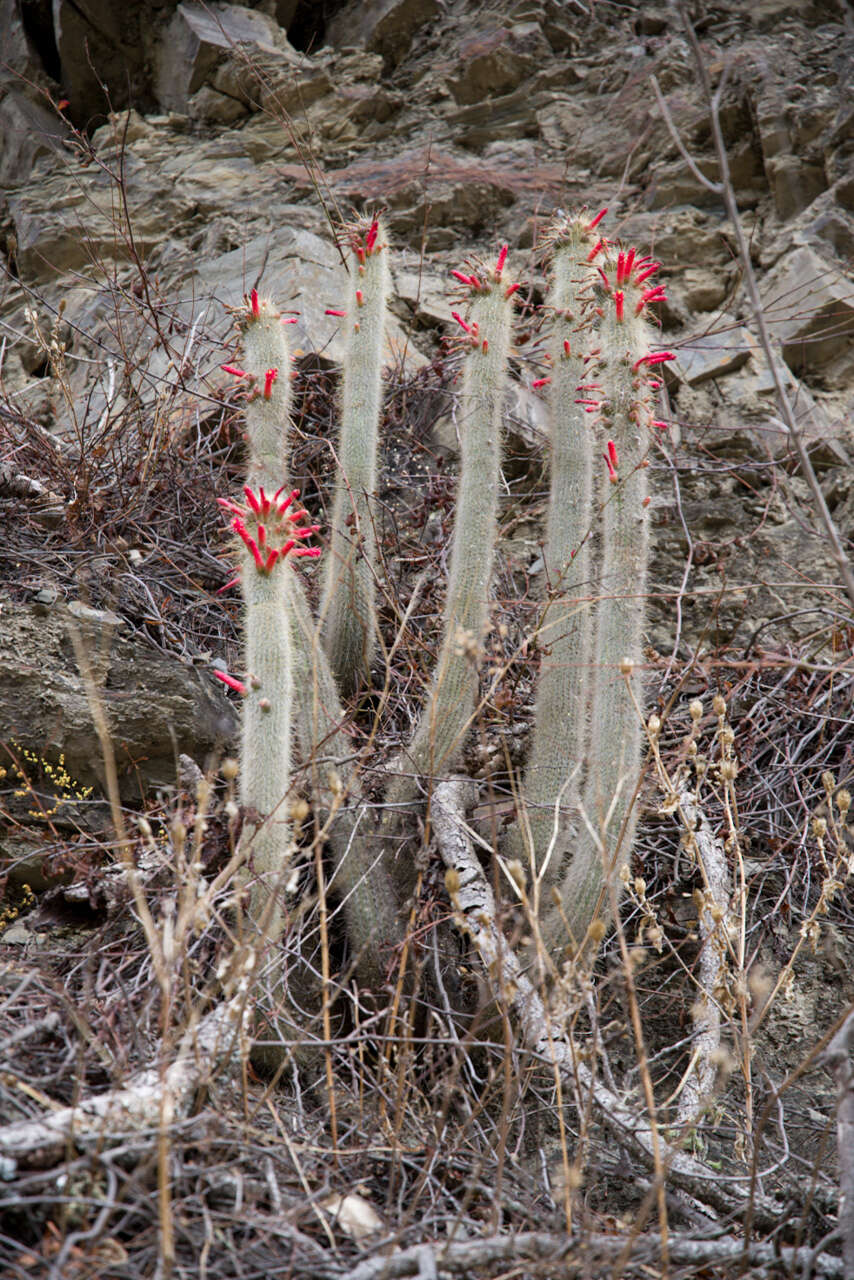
point(155, 706)
point(809, 306)
point(27, 131)
point(102, 43)
point(493, 63)
point(794, 183)
point(384, 26)
point(200, 36)
point(713, 355)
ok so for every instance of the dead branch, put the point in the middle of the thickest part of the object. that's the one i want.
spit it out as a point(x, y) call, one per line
point(470, 1256)
point(140, 1105)
point(837, 1058)
point(711, 966)
point(543, 1032)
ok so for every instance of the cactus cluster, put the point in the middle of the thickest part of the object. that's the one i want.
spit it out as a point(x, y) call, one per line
point(575, 822)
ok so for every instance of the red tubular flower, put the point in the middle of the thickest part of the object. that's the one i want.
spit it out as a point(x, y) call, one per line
point(360, 298)
point(630, 262)
point(612, 453)
point(611, 461)
point(595, 223)
point(511, 289)
point(235, 373)
point(658, 357)
point(566, 347)
point(269, 378)
point(243, 533)
point(289, 319)
point(650, 271)
point(332, 311)
point(541, 382)
point(621, 268)
point(371, 237)
point(251, 499)
point(618, 299)
point(237, 685)
point(280, 520)
point(254, 303)
point(502, 258)
point(657, 294)
point(461, 322)
point(597, 248)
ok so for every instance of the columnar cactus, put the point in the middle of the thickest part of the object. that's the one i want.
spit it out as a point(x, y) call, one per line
point(268, 368)
point(271, 533)
point(348, 608)
point(360, 880)
point(439, 738)
point(613, 757)
point(587, 732)
point(554, 773)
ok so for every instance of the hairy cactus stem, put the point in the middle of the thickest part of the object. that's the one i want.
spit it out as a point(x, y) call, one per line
point(361, 880)
point(616, 729)
point(561, 718)
point(271, 532)
point(348, 608)
point(439, 737)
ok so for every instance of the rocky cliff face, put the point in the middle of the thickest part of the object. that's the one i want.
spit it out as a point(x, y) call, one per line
point(159, 159)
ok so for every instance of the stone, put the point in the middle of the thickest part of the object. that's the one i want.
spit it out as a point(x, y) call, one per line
point(155, 706)
point(809, 307)
point(200, 36)
point(383, 26)
point(216, 108)
point(699, 289)
point(101, 43)
point(713, 355)
point(493, 63)
point(794, 183)
point(27, 131)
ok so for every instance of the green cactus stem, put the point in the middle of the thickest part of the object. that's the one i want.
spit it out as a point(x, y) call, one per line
point(348, 609)
point(616, 728)
point(440, 735)
point(554, 771)
point(271, 532)
point(268, 406)
point(361, 880)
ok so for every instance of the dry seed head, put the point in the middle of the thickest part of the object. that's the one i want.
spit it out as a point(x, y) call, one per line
point(654, 726)
point(696, 710)
point(517, 874)
point(596, 932)
point(828, 781)
point(230, 769)
point(299, 810)
point(819, 828)
point(729, 770)
point(727, 736)
point(719, 705)
point(843, 802)
point(144, 828)
point(640, 886)
point(626, 667)
point(452, 882)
